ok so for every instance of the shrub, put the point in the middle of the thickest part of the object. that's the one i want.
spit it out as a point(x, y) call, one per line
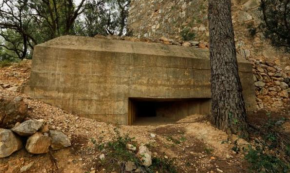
point(187, 34)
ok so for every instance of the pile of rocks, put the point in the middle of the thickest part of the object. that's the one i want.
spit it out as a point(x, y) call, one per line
point(14, 130)
point(162, 40)
point(272, 85)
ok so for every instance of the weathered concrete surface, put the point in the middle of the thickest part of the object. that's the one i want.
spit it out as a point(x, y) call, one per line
point(96, 77)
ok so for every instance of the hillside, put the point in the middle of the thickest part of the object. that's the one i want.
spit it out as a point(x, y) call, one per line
point(193, 143)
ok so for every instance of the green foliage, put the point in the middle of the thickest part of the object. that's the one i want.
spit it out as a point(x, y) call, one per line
point(187, 34)
point(163, 165)
point(271, 151)
point(265, 163)
point(30, 22)
point(252, 30)
point(176, 141)
point(208, 150)
point(276, 22)
point(117, 155)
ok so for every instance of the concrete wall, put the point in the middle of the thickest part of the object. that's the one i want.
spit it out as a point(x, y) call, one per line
point(96, 77)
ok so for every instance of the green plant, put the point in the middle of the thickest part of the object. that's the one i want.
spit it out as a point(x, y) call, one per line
point(176, 140)
point(117, 154)
point(187, 34)
point(252, 30)
point(208, 150)
point(265, 163)
point(275, 23)
point(270, 153)
point(163, 165)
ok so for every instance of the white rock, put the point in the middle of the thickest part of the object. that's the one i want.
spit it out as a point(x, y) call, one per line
point(102, 157)
point(26, 167)
point(59, 140)
point(9, 143)
point(145, 156)
point(130, 166)
point(186, 44)
point(131, 147)
point(28, 127)
point(152, 135)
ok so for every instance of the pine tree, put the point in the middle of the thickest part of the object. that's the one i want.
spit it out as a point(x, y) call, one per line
point(228, 107)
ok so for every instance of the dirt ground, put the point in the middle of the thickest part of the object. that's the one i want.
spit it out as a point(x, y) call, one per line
point(193, 142)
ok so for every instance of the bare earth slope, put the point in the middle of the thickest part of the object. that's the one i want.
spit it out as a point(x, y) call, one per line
point(195, 145)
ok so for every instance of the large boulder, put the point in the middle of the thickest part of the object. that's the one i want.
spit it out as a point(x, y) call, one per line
point(28, 127)
point(59, 140)
point(12, 110)
point(38, 144)
point(9, 143)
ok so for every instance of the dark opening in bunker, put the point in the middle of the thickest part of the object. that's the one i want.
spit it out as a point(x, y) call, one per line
point(145, 109)
point(163, 111)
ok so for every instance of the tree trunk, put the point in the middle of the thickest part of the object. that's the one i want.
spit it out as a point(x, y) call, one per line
point(228, 107)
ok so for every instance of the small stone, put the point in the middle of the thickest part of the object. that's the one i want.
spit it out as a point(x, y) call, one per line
point(38, 144)
point(17, 124)
point(102, 157)
point(260, 69)
point(131, 147)
point(202, 46)
point(6, 85)
point(28, 127)
point(9, 143)
point(271, 74)
point(219, 170)
point(164, 39)
point(26, 167)
point(145, 156)
point(152, 135)
point(260, 84)
point(130, 166)
point(59, 140)
point(186, 44)
point(277, 83)
point(284, 93)
point(14, 89)
point(44, 129)
point(194, 43)
point(284, 85)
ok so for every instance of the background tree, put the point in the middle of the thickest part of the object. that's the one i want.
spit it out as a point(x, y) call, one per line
point(276, 22)
point(25, 23)
point(104, 17)
point(228, 107)
point(14, 24)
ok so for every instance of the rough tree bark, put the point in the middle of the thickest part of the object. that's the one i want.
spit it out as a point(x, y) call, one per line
point(228, 107)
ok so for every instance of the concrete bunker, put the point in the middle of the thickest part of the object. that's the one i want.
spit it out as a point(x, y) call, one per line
point(108, 80)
